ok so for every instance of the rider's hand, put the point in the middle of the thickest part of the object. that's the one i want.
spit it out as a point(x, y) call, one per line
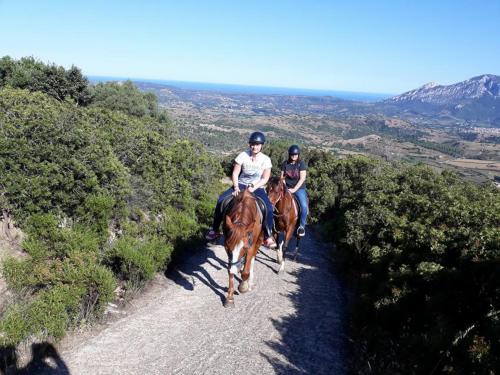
point(251, 189)
point(292, 191)
point(236, 191)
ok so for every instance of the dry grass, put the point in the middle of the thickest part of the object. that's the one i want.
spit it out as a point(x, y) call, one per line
point(487, 165)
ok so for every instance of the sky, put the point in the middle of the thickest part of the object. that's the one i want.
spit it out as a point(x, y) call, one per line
point(365, 46)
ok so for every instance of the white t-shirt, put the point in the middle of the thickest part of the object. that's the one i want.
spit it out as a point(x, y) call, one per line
point(251, 171)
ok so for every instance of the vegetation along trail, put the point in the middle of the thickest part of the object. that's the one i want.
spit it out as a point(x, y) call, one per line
point(289, 323)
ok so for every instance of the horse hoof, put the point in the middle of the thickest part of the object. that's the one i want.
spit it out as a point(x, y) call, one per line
point(229, 303)
point(243, 287)
point(282, 267)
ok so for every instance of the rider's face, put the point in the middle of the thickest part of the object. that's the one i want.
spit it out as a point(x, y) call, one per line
point(255, 147)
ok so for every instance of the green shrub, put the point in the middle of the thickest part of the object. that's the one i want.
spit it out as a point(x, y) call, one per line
point(76, 177)
point(178, 225)
point(423, 250)
point(48, 315)
point(136, 260)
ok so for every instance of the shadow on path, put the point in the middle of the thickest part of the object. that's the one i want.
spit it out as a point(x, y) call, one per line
point(189, 270)
point(45, 360)
point(312, 340)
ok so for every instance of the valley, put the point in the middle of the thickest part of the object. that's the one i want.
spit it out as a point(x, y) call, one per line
point(221, 121)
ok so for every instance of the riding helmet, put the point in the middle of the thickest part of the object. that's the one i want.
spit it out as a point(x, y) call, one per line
point(257, 137)
point(293, 149)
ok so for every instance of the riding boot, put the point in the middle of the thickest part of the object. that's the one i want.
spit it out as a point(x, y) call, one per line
point(217, 218)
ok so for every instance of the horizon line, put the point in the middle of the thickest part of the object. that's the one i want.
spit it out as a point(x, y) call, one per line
point(158, 80)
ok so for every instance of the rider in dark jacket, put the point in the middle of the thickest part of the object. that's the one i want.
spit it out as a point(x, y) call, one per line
point(295, 170)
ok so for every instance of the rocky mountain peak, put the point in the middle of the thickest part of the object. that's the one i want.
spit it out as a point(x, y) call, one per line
point(473, 88)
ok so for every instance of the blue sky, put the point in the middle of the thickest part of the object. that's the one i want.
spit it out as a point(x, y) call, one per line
point(370, 46)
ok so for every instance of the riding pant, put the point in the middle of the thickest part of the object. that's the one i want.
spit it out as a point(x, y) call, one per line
point(261, 193)
point(301, 195)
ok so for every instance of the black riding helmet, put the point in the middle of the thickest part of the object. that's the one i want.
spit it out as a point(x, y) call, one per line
point(293, 149)
point(257, 137)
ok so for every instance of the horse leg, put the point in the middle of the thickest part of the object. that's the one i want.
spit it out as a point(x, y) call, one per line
point(247, 273)
point(296, 252)
point(251, 277)
point(288, 235)
point(279, 253)
point(280, 256)
point(229, 302)
point(233, 257)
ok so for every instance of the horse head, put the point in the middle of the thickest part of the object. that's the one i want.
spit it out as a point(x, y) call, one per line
point(240, 222)
point(276, 189)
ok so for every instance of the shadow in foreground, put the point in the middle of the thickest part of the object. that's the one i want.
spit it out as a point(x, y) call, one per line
point(45, 360)
point(189, 270)
point(312, 340)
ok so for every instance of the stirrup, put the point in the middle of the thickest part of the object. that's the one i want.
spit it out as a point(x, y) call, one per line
point(301, 232)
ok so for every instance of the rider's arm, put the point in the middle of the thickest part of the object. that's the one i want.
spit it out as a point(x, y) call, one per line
point(302, 178)
point(235, 175)
point(263, 180)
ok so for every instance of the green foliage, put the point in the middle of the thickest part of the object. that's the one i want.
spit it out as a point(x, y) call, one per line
point(102, 194)
point(28, 73)
point(423, 249)
point(125, 97)
point(51, 158)
point(178, 225)
point(47, 316)
point(138, 260)
point(61, 277)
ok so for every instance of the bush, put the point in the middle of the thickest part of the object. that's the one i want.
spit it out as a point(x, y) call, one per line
point(422, 249)
point(53, 80)
point(48, 316)
point(137, 261)
point(75, 179)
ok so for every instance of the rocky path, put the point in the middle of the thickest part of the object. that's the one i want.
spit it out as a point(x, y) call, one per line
point(289, 324)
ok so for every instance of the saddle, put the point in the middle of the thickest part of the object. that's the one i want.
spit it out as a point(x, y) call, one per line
point(228, 203)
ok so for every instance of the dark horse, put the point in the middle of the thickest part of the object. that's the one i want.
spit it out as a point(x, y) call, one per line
point(285, 217)
point(243, 235)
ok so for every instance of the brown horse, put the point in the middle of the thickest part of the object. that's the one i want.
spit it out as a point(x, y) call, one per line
point(243, 235)
point(285, 217)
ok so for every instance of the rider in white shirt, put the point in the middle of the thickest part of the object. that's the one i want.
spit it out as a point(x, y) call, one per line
point(251, 171)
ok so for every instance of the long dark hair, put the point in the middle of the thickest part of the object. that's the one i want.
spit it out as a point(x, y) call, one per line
point(289, 160)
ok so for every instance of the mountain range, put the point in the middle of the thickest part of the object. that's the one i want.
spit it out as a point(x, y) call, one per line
point(473, 100)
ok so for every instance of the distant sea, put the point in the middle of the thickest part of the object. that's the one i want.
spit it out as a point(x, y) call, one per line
point(244, 89)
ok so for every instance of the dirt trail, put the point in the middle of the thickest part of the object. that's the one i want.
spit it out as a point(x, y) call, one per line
point(289, 324)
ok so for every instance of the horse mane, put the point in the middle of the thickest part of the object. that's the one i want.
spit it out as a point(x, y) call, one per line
point(273, 181)
point(242, 216)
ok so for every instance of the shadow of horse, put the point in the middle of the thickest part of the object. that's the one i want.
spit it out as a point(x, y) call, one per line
point(188, 271)
point(45, 360)
point(266, 261)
